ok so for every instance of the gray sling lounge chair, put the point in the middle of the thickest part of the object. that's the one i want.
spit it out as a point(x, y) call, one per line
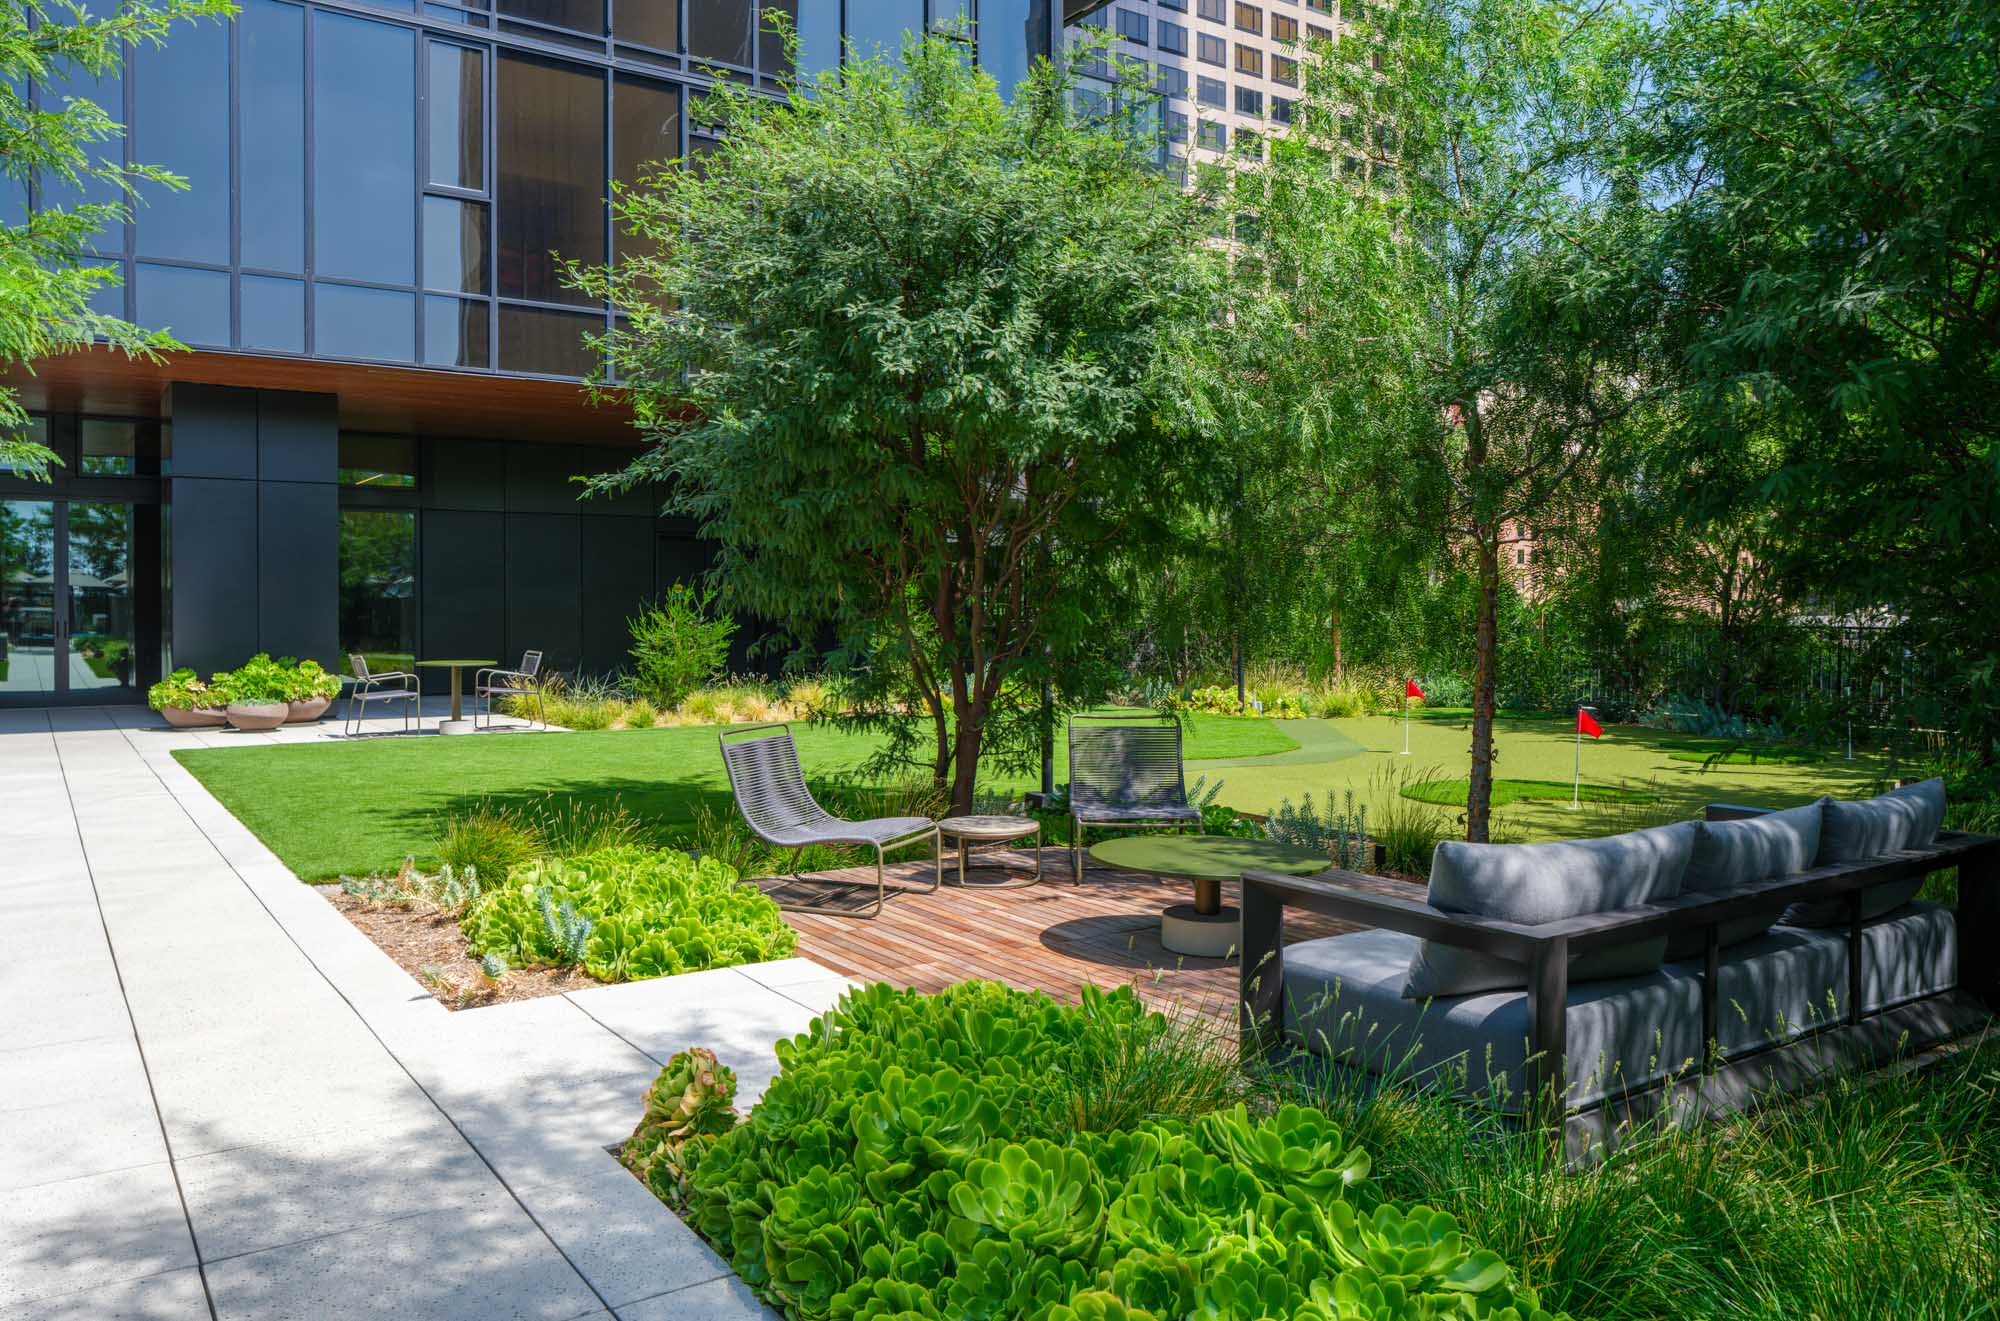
point(771, 794)
point(378, 686)
point(524, 683)
point(1125, 773)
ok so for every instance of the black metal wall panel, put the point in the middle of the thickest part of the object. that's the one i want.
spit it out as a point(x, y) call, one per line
point(544, 601)
point(298, 570)
point(617, 580)
point(215, 431)
point(640, 501)
point(466, 474)
point(538, 478)
point(215, 572)
point(464, 596)
point(298, 436)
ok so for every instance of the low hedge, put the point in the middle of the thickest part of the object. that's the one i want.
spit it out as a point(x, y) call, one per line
point(626, 914)
point(916, 1158)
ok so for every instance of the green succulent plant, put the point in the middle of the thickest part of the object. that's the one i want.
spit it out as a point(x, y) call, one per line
point(1042, 1196)
point(1295, 1150)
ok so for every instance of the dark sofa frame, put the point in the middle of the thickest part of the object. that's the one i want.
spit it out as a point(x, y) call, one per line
point(1546, 949)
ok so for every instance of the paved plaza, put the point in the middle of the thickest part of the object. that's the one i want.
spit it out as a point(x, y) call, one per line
point(218, 1099)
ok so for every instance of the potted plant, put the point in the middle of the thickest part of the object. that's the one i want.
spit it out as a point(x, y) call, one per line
point(259, 694)
point(188, 703)
point(309, 690)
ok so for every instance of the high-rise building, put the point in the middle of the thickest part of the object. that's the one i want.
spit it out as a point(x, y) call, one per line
point(1227, 71)
point(372, 446)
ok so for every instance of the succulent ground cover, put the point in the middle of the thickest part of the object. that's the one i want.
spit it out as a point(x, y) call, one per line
point(969, 1155)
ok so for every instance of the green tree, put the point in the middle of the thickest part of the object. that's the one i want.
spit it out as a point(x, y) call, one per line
point(1830, 179)
point(1434, 231)
point(46, 281)
point(898, 347)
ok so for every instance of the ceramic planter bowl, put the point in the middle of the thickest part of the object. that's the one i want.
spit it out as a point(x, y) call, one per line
point(304, 713)
point(185, 718)
point(254, 717)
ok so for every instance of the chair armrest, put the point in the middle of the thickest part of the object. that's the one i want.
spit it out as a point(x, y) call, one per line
point(1732, 812)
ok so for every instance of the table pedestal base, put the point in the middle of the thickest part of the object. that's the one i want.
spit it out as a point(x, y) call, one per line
point(455, 727)
point(1202, 935)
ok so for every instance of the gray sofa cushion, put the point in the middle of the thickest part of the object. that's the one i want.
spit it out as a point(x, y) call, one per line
point(1536, 883)
point(1343, 999)
point(1855, 831)
point(1731, 853)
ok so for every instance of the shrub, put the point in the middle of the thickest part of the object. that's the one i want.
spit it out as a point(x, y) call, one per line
point(626, 914)
point(258, 680)
point(640, 714)
point(1446, 690)
point(1341, 832)
point(917, 1156)
point(1407, 825)
point(307, 680)
point(677, 644)
point(182, 691)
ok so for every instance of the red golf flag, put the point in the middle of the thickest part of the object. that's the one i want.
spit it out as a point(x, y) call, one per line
point(1586, 725)
point(1410, 689)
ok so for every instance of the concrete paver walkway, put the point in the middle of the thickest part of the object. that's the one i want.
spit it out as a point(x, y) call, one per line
point(218, 1099)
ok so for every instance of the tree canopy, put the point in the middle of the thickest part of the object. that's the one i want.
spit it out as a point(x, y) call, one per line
point(900, 346)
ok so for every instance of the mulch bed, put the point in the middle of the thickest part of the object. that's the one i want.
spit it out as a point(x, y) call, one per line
point(429, 947)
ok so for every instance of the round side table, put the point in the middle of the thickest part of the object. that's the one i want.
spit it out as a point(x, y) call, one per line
point(1206, 928)
point(990, 831)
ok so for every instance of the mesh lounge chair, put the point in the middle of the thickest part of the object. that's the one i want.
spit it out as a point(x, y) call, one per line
point(771, 794)
point(388, 686)
point(1125, 772)
point(490, 683)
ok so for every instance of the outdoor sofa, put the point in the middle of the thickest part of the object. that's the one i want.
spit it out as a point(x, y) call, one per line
point(1704, 961)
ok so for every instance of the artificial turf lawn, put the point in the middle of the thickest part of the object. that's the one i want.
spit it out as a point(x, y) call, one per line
point(1453, 793)
point(332, 809)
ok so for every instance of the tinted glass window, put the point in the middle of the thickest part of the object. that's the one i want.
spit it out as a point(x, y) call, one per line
point(272, 135)
point(552, 193)
point(378, 586)
point(577, 15)
point(458, 117)
point(721, 30)
point(819, 35)
point(1007, 39)
point(645, 130)
point(108, 449)
point(364, 323)
point(455, 332)
point(455, 245)
point(657, 25)
point(181, 123)
point(109, 96)
point(549, 343)
point(364, 149)
point(273, 313)
point(771, 57)
point(371, 460)
point(192, 305)
point(877, 28)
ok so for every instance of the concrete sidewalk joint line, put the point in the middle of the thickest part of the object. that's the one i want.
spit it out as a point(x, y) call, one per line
point(321, 1137)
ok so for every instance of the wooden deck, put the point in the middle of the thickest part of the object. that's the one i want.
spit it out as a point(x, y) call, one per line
point(1051, 937)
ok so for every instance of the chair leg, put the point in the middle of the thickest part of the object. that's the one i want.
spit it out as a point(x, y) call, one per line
point(1075, 851)
point(792, 873)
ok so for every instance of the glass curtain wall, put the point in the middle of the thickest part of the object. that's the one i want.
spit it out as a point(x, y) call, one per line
point(399, 182)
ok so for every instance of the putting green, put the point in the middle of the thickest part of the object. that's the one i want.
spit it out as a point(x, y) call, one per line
point(1453, 793)
point(1529, 748)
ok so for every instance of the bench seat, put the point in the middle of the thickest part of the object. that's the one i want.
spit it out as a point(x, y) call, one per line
point(1343, 999)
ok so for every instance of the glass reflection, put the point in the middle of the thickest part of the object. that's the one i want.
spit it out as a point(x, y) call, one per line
point(546, 343)
point(456, 333)
point(193, 304)
point(364, 323)
point(101, 636)
point(273, 313)
point(454, 245)
point(27, 597)
point(181, 123)
point(378, 586)
point(364, 145)
point(272, 131)
point(657, 25)
point(458, 117)
point(576, 15)
point(721, 30)
point(645, 133)
point(877, 29)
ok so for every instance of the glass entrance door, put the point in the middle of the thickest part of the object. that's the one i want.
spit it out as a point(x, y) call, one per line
point(28, 623)
point(98, 619)
point(71, 623)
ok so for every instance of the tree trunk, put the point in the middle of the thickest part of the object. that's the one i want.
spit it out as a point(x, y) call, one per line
point(1485, 644)
point(971, 733)
point(1339, 665)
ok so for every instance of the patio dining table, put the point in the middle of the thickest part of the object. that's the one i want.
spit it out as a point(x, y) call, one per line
point(1206, 928)
point(456, 723)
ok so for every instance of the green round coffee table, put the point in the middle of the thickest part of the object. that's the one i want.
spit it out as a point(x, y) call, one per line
point(1205, 928)
point(457, 723)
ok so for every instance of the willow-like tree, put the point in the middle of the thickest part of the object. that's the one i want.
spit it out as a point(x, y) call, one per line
point(896, 347)
point(1434, 231)
point(47, 278)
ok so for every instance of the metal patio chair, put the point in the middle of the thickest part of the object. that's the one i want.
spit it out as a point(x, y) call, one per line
point(771, 793)
point(490, 683)
point(1125, 773)
point(368, 687)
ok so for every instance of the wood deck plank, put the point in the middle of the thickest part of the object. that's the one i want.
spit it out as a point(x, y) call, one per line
point(1053, 937)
